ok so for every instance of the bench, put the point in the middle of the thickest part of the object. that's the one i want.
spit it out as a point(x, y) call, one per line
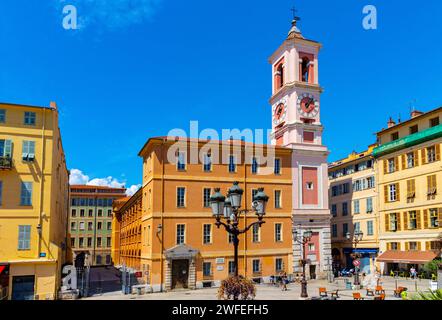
point(370, 292)
point(335, 294)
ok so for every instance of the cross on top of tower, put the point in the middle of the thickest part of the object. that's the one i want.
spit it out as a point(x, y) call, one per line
point(294, 31)
point(295, 17)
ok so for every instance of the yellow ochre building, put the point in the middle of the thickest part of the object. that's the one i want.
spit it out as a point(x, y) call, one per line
point(33, 202)
point(409, 169)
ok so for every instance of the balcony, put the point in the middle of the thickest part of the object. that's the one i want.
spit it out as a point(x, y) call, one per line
point(5, 163)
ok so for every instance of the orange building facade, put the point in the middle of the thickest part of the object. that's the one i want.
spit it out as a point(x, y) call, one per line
point(167, 230)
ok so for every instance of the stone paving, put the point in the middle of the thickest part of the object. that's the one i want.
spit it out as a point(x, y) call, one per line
point(272, 292)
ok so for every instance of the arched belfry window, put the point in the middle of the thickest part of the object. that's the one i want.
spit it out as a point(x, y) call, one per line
point(305, 70)
point(279, 75)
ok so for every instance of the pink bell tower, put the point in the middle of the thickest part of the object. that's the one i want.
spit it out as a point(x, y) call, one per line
point(296, 124)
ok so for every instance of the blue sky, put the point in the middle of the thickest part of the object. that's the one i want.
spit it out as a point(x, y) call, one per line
point(140, 68)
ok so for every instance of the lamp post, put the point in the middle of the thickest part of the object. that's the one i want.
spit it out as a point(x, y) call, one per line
point(302, 239)
point(229, 209)
point(357, 237)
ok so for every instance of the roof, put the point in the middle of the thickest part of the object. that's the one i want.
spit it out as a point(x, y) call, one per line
point(26, 105)
point(171, 139)
point(90, 187)
point(353, 157)
point(418, 257)
point(409, 120)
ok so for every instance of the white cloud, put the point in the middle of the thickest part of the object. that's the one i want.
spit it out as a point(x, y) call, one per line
point(78, 177)
point(111, 14)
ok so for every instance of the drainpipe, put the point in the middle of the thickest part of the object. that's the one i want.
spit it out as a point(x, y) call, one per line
point(162, 212)
point(42, 160)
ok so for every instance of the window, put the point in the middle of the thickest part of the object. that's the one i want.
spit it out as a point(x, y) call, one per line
point(99, 259)
point(357, 226)
point(369, 205)
point(82, 213)
point(2, 115)
point(414, 129)
point(99, 242)
point(344, 229)
point(109, 213)
point(278, 265)
point(73, 226)
point(231, 267)
point(410, 160)
point(5, 148)
point(206, 197)
point(395, 136)
point(109, 225)
point(393, 222)
point(432, 187)
point(255, 233)
point(28, 150)
point(334, 210)
point(369, 228)
point(394, 246)
point(108, 242)
point(356, 206)
point(346, 187)
point(278, 232)
point(433, 122)
point(207, 234)
point(434, 223)
point(412, 220)
point(180, 233)
point(24, 237)
point(232, 164)
point(99, 225)
point(207, 269)
point(277, 199)
point(180, 197)
point(91, 212)
point(73, 213)
point(207, 162)
point(431, 154)
point(254, 192)
point(108, 259)
point(391, 165)
point(411, 190)
point(334, 230)
point(254, 165)
point(100, 212)
point(370, 182)
point(90, 226)
point(81, 226)
point(392, 195)
point(413, 245)
point(181, 163)
point(81, 242)
point(73, 242)
point(277, 169)
point(311, 247)
point(345, 209)
point(256, 265)
point(26, 194)
point(305, 66)
point(29, 118)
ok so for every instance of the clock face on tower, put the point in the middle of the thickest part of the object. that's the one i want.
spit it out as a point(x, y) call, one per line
point(308, 106)
point(279, 113)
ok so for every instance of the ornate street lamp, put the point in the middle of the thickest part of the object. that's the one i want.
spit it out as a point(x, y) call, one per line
point(229, 209)
point(357, 237)
point(303, 239)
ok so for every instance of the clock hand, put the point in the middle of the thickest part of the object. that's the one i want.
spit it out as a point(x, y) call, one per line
point(307, 105)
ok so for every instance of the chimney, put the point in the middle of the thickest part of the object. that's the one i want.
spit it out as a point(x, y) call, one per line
point(53, 105)
point(416, 113)
point(391, 123)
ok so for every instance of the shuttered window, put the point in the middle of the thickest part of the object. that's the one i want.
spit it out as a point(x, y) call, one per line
point(432, 187)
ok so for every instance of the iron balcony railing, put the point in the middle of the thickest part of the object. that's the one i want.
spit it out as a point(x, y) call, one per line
point(5, 163)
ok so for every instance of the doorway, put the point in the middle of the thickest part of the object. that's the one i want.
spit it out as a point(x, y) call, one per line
point(312, 271)
point(180, 274)
point(23, 288)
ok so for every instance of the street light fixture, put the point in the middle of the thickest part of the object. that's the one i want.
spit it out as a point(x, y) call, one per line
point(357, 237)
point(229, 208)
point(302, 239)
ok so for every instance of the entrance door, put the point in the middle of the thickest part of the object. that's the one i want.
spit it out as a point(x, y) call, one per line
point(180, 273)
point(23, 288)
point(312, 271)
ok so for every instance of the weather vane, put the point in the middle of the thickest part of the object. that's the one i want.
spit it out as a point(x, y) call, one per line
point(295, 17)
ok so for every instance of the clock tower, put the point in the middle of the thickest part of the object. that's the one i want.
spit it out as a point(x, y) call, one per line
point(296, 124)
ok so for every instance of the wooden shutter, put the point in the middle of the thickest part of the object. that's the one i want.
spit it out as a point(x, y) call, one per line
point(425, 219)
point(396, 163)
point(423, 156)
point(437, 148)
point(398, 221)
point(416, 157)
point(408, 188)
point(388, 246)
point(386, 193)
point(419, 246)
point(385, 166)
point(405, 221)
point(387, 222)
point(418, 220)
point(440, 218)
point(407, 246)
point(434, 184)
point(428, 245)
point(404, 162)
point(398, 197)
point(399, 246)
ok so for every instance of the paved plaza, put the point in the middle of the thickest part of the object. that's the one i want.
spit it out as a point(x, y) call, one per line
point(272, 292)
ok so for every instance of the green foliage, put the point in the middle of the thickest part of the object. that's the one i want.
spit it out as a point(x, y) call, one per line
point(433, 266)
point(431, 295)
point(237, 288)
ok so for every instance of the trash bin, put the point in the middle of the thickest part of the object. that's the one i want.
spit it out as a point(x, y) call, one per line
point(348, 285)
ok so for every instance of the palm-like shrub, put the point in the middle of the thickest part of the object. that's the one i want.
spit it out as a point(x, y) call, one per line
point(237, 288)
point(431, 295)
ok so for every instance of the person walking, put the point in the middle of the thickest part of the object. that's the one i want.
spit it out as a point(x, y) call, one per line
point(284, 281)
point(413, 272)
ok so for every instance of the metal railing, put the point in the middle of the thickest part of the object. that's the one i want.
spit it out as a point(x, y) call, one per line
point(5, 162)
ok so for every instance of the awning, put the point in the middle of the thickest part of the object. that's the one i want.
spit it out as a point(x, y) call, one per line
point(418, 257)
